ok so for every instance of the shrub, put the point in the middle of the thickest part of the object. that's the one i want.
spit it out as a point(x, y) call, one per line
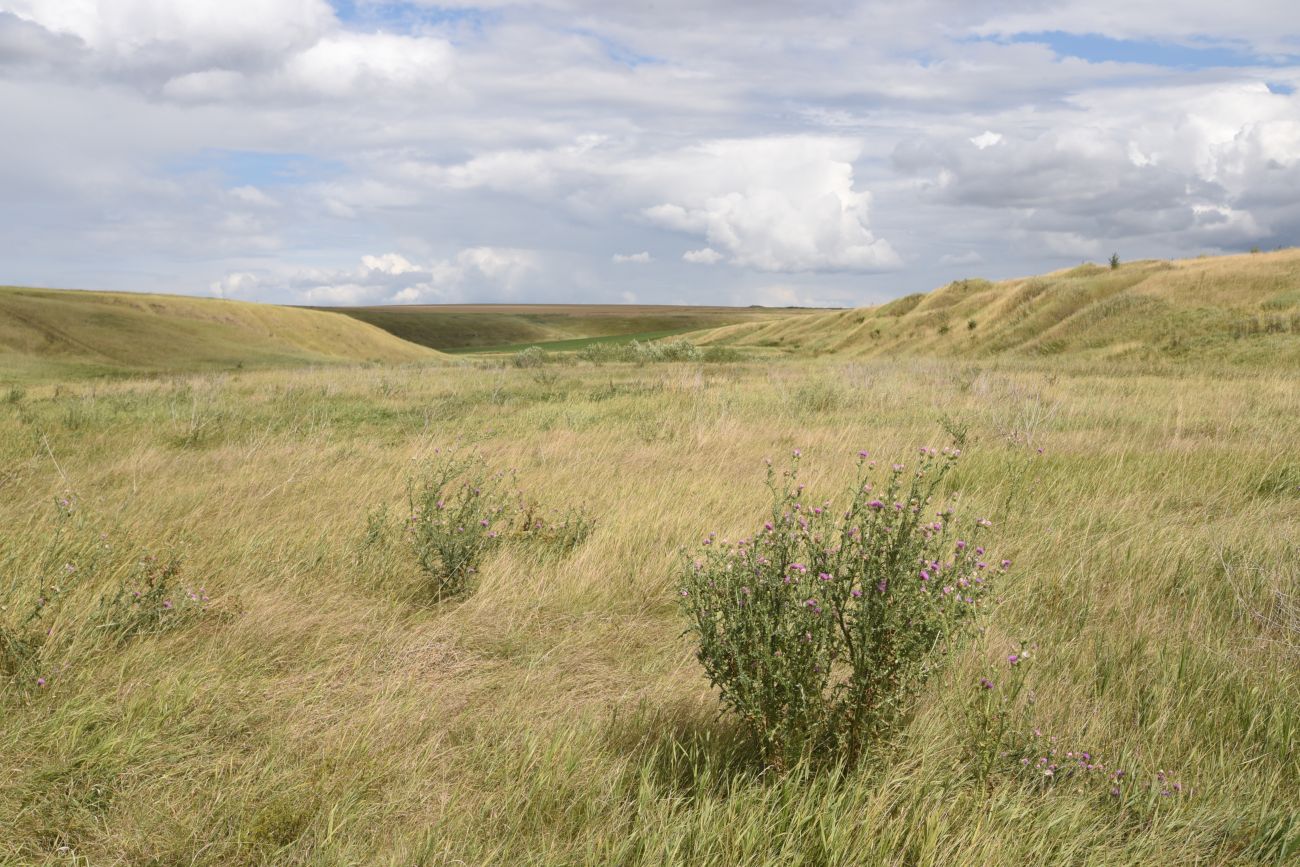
point(48, 617)
point(457, 507)
point(1114, 261)
point(150, 601)
point(557, 534)
point(819, 630)
point(533, 356)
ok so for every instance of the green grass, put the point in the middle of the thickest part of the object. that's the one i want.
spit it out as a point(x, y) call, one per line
point(506, 327)
point(48, 333)
point(577, 343)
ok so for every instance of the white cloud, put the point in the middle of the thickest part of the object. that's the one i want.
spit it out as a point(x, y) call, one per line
point(704, 256)
point(986, 139)
point(390, 278)
point(642, 258)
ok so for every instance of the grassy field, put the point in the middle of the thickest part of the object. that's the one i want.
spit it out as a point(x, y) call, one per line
point(309, 708)
point(217, 646)
point(461, 328)
point(48, 333)
point(1227, 310)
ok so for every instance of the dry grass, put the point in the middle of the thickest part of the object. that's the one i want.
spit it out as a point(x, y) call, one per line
point(1224, 310)
point(315, 715)
point(47, 333)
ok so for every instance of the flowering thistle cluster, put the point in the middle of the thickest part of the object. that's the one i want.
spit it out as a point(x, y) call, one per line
point(460, 509)
point(818, 630)
point(457, 513)
point(151, 601)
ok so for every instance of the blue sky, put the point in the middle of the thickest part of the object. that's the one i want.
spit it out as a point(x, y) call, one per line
point(568, 150)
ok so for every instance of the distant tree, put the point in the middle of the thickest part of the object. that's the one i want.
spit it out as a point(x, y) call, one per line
point(1114, 261)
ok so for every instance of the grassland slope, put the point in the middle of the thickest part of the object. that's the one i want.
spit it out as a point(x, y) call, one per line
point(487, 327)
point(1231, 309)
point(72, 333)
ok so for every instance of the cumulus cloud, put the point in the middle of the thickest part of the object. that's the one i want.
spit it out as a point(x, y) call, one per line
point(703, 256)
point(642, 258)
point(389, 278)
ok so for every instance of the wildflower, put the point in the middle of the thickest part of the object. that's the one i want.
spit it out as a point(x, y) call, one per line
point(796, 453)
point(961, 546)
point(898, 468)
point(925, 576)
point(863, 455)
point(1006, 564)
point(979, 552)
point(875, 504)
point(856, 593)
point(167, 604)
point(1014, 659)
point(825, 576)
point(40, 681)
point(685, 593)
point(985, 683)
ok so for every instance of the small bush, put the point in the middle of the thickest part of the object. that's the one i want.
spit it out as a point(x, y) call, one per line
point(457, 508)
point(1114, 261)
point(150, 601)
point(820, 629)
point(555, 535)
point(533, 356)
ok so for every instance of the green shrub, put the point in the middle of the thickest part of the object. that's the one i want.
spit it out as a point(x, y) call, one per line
point(819, 630)
point(460, 509)
point(149, 601)
point(457, 507)
point(533, 356)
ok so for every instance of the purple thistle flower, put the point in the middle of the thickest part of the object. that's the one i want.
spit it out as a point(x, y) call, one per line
point(961, 545)
point(925, 576)
point(1014, 659)
point(40, 681)
point(856, 593)
point(875, 504)
point(985, 683)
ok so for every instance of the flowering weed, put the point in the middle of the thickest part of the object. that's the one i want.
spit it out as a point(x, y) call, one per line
point(819, 629)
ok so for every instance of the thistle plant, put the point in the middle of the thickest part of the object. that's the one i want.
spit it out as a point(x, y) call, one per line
point(819, 630)
point(457, 509)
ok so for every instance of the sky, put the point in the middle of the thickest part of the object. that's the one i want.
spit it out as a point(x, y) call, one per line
point(823, 152)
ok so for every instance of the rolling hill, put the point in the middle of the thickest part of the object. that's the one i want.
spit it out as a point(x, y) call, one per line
point(46, 332)
point(1231, 309)
point(502, 327)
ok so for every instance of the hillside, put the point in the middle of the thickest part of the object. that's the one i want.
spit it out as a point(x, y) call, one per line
point(1236, 309)
point(73, 333)
point(488, 327)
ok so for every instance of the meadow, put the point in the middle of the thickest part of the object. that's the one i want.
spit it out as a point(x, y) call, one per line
point(296, 699)
point(461, 328)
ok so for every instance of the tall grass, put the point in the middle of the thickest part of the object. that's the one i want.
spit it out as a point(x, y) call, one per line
point(316, 715)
